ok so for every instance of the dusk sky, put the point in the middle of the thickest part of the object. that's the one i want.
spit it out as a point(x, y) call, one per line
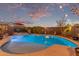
point(37, 14)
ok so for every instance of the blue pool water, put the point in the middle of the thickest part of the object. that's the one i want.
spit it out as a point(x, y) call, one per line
point(43, 40)
point(32, 43)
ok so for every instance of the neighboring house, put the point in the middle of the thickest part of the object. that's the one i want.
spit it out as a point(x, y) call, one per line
point(3, 28)
point(18, 27)
point(75, 29)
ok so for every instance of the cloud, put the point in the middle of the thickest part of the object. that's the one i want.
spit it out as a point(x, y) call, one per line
point(39, 13)
point(13, 7)
point(20, 20)
point(36, 10)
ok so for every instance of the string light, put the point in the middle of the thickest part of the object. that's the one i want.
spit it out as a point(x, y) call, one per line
point(60, 6)
point(66, 15)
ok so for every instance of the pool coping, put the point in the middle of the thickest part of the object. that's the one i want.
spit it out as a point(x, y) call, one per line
point(77, 43)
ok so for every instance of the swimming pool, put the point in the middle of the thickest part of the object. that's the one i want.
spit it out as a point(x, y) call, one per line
point(32, 42)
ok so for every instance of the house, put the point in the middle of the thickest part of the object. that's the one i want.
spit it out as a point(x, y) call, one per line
point(75, 29)
point(4, 27)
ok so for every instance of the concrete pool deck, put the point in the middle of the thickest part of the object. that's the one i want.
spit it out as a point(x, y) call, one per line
point(56, 50)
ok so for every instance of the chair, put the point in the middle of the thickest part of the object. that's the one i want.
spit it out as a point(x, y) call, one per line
point(77, 51)
point(75, 38)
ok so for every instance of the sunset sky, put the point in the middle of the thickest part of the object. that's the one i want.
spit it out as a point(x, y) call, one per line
point(37, 14)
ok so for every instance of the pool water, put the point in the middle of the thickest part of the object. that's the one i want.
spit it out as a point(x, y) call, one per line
point(42, 39)
point(32, 43)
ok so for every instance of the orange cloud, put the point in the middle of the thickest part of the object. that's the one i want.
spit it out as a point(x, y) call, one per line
point(40, 12)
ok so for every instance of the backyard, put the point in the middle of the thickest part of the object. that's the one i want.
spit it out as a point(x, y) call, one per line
point(39, 29)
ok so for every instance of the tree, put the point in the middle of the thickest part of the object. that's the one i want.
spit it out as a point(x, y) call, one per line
point(75, 10)
point(28, 29)
point(38, 30)
point(60, 23)
point(68, 29)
